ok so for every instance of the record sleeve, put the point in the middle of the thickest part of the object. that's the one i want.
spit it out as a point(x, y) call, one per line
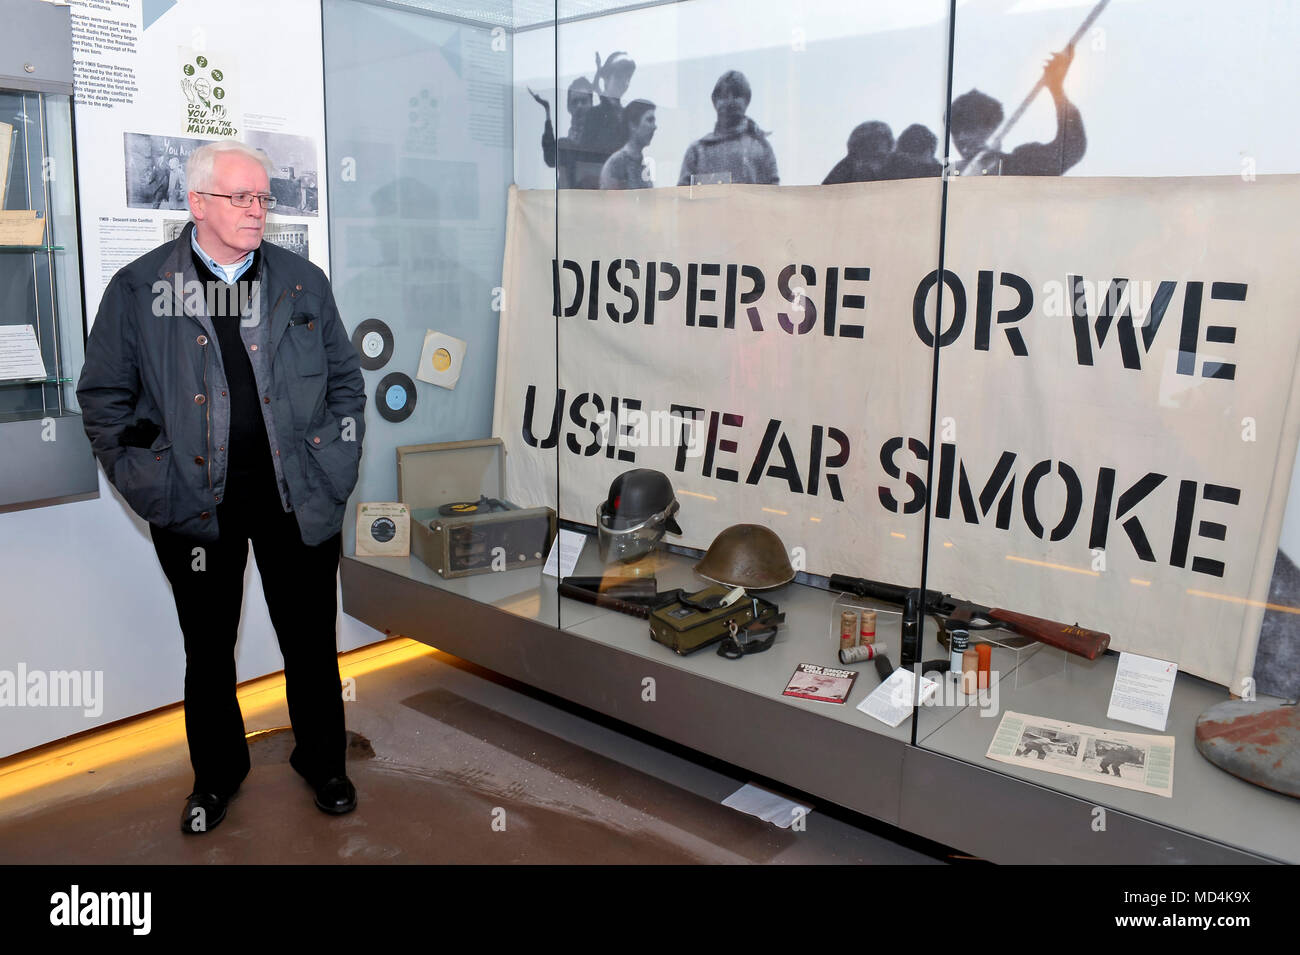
point(383, 530)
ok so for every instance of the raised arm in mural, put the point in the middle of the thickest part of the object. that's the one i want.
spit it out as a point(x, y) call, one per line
point(575, 166)
point(976, 118)
point(605, 131)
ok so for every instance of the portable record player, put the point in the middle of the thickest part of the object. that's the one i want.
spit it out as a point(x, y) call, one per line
point(461, 521)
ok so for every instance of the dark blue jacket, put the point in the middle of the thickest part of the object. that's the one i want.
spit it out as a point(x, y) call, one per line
point(153, 355)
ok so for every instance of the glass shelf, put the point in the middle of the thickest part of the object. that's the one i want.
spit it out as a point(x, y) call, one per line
point(31, 248)
point(35, 381)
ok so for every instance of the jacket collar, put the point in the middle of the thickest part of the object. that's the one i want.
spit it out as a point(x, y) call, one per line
point(178, 268)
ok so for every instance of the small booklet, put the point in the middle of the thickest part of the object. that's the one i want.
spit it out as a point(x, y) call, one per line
point(825, 684)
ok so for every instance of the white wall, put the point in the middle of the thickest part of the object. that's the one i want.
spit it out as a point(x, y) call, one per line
point(81, 589)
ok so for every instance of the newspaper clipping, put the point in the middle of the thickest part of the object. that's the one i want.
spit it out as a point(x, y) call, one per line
point(1114, 757)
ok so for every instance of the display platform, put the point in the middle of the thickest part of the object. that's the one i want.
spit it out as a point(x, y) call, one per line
point(942, 788)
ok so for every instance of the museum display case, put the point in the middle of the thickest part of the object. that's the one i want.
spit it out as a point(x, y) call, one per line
point(868, 382)
point(47, 457)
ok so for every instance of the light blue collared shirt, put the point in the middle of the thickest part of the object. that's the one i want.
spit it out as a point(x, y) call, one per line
point(230, 273)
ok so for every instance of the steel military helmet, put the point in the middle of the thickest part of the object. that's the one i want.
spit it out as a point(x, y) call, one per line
point(636, 514)
point(746, 555)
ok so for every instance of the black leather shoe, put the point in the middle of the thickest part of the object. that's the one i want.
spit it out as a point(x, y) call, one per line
point(203, 812)
point(336, 795)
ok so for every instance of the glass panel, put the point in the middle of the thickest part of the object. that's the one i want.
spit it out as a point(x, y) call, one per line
point(420, 153)
point(731, 267)
point(1115, 412)
point(38, 268)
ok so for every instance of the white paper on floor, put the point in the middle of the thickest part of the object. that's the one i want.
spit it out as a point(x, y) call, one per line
point(766, 805)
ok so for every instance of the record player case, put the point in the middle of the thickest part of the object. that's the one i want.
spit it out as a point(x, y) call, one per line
point(432, 475)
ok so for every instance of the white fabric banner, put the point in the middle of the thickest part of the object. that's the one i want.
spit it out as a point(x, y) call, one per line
point(1116, 416)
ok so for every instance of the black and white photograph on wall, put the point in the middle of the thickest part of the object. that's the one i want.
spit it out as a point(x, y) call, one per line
point(290, 236)
point(1040, 87)
point(825, 112)
point(286, 235)
point(294, 171)
point(155, 170)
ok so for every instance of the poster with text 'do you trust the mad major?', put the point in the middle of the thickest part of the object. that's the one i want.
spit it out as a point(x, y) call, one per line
point(1116, 413)
point(154, 81)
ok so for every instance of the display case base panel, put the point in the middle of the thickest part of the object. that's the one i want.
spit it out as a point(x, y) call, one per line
point(46, 461)
point(944, 789)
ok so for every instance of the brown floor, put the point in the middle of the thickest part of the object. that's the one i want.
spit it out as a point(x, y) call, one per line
point(451, 765)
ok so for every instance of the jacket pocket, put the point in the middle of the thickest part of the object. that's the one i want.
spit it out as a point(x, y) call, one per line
point(304, 338)
point(332, 460)
point(143, 476)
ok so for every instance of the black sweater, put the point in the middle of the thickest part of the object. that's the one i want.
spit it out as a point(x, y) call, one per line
point(250, 473)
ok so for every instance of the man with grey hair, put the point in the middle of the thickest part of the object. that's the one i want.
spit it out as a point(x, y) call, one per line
point(224, 399)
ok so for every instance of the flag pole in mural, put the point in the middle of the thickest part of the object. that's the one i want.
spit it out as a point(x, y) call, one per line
point(1053, 73)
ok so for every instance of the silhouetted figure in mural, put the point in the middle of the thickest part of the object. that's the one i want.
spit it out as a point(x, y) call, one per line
point(578, 167)
point(976, 117)
point(626, 169)
point(913, 156)
point(869, 147)
point(605, 132)
point(737, 150)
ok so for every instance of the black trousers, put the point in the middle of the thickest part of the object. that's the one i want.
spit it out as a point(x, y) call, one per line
point(300, 586)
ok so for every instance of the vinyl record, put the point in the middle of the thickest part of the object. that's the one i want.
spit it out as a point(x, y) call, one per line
point(374, 343)
point(395, 397)
point(484, 505)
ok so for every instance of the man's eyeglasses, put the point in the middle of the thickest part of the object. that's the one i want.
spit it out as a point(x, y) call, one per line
point(242, 200)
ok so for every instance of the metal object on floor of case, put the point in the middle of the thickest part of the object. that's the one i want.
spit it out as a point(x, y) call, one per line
point(1257, 742)
point(756, 637)
point(628, 597)
point(862, 652)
